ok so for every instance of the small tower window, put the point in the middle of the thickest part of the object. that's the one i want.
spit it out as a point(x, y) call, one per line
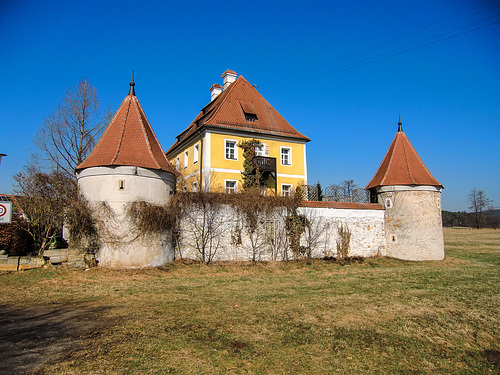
point(394, 238)
point(388, 203)
point(121, 185)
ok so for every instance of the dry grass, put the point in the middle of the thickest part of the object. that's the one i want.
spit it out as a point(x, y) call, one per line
point(380, 317)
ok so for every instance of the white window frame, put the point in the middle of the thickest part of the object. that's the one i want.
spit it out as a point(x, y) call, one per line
point(289, 155)
point(196, 153)
point(290, 192)
point(263, 150)
point(235, 149)
point(186, 158)
point(235, 186)
point(177, 162)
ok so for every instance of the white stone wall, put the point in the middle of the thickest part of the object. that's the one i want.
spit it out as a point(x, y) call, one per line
point(413, 223)
point(233, 242)
point(110, 190)
point(366, 226)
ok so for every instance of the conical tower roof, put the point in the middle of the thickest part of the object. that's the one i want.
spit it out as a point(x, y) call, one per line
point(402, 165)
point(230, 109)
point(128, 140)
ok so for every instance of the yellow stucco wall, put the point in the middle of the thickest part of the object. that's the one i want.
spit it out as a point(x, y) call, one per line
point(188, 171)
point(223, 169)
point(218, 151)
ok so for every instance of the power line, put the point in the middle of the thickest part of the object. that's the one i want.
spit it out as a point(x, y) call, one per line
point(370, 58)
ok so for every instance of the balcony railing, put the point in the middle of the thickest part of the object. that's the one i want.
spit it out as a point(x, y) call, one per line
point(265, 164)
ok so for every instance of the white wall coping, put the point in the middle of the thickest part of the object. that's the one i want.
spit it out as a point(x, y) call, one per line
point(393, 188)
point(127, 171)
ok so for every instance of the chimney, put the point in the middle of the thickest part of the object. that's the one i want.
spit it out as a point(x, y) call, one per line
point(215, 90)
point(228, 77)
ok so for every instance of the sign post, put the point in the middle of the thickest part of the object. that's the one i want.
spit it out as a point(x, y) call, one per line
point(5, 212)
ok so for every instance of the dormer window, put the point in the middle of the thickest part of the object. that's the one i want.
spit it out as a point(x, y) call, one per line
point(248, 109)
point(250, 117)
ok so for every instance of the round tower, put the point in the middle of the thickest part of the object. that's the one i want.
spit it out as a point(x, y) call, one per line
point(127, 165)
point(412, 200)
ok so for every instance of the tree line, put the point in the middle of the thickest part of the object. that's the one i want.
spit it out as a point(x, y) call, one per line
point(481, 215)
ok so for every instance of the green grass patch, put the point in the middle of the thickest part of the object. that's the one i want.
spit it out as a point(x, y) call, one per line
point(383, 316)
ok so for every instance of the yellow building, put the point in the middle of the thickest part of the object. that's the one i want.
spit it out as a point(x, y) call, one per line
point(207, 155)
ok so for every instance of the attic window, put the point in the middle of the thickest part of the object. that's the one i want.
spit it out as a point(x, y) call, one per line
point(250, 117)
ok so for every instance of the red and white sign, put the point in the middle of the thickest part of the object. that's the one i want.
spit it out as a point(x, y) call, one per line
point(5, 212)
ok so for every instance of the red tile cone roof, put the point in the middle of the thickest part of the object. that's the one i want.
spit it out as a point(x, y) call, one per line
point(128, 140)
point(402, 166)
point(229, 109)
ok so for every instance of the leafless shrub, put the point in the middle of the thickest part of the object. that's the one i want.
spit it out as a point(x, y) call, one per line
point(313, 231)
point(343, 241)
point(82, 225)
point(295, 226)
point(152, 218)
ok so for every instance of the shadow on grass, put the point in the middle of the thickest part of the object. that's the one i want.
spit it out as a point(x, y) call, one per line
point(33, 337)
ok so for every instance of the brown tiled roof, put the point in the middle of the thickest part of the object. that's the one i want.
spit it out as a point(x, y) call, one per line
point(402, 166)
point(227, 111)
point(342, 205)
point(128, 140)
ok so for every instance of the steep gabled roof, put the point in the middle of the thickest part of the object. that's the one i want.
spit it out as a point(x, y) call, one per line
point(128, 140)
point(402, 166)
point(230, 109)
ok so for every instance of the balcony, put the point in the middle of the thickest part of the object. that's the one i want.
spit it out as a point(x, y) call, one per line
point(265, 164)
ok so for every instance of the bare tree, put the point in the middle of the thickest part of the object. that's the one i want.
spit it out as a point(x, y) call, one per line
point(203, 222)
point(276, 235)
point(43, 197)
point(315, 227)
point(254, 210)
point(349, 187)
point(479, 203)
point(71, 131)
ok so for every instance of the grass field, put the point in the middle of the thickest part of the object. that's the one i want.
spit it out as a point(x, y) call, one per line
point(382, 316)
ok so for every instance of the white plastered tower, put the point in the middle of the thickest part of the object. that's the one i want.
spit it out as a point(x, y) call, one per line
point(412, 200)
point(127, 165)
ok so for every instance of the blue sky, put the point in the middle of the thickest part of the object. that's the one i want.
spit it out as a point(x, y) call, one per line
point(339, 71)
